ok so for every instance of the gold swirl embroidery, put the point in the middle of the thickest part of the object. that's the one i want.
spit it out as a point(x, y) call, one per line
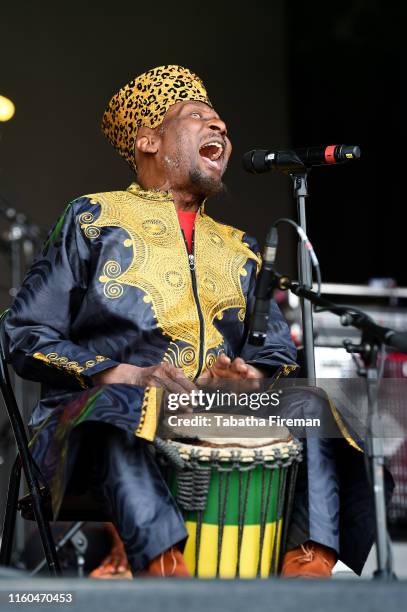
point(210, 360)
point(113, 290)
point(160, 268)
point(241, 314)
point(187, 356)
point(63, 363)
point(212, 357)
point(86, 219)
point(180, 358)
point(92, 232)
point(111, 271)
point(60, 361)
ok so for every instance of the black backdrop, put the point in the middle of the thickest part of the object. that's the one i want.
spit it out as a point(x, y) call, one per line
point(346, 65)
point(280, 73)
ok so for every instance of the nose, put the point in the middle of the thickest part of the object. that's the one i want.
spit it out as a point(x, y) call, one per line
point(217, 125)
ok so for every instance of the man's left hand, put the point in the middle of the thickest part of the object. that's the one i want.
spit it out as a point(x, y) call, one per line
point(226, 369)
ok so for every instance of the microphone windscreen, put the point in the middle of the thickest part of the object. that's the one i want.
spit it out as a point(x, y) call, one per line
point(255, 161)
point(347, 152)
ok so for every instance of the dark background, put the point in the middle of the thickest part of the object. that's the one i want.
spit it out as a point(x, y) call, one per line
point(280, 73)
point(346, 61)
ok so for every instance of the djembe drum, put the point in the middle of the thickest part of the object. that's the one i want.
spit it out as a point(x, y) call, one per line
point(236, 498)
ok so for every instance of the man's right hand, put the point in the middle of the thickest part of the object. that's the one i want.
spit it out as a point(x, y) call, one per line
point(162, 375)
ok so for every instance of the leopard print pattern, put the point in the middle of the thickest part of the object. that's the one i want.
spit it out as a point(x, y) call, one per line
point(144, 102)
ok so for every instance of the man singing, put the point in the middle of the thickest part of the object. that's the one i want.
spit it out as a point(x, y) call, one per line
point(140, 290)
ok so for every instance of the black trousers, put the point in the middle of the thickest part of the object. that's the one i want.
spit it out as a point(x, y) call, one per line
point(121, 472)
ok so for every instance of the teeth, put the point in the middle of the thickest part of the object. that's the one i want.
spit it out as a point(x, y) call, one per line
point(219, 151)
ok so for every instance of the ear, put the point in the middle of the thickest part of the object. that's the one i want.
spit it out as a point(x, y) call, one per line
point(147, 141)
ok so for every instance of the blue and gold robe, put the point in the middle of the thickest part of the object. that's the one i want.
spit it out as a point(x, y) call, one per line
point(115, 284)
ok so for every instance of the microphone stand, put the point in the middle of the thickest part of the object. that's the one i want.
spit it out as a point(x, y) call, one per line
point(291, 164)
point(374, 337)
point(299, 177)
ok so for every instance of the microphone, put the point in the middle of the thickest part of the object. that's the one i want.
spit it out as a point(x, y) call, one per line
point(258, 161)
point(262, 293)
point(397, 340)
point(385, 335)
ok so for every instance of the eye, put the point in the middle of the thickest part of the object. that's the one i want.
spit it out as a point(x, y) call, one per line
point(196, 115)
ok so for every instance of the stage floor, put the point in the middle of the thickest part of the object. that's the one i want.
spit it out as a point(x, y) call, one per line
point(156, 595)
point(399, 564)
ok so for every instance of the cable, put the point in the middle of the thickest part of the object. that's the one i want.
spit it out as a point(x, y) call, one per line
point(307, 243)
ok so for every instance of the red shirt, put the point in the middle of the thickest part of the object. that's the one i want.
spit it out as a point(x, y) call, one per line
point(187, 221)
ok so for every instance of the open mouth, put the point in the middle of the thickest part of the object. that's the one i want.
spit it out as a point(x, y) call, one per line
point(212, 153)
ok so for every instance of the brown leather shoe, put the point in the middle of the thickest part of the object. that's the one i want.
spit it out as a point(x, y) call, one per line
point(310, 560)
point(115, 565)
point(169, 564)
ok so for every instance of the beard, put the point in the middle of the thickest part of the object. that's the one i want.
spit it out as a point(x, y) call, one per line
point(206, 185)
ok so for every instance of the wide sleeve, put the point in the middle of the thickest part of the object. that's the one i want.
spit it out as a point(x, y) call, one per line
point(39, 323)
point(278, 352)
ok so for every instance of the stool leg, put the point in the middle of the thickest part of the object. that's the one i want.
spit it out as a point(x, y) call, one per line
point(10, 513)
point(45, 532)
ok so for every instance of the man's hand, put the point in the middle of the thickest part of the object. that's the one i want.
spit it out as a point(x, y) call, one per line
point(162, 375)
point(226, 369)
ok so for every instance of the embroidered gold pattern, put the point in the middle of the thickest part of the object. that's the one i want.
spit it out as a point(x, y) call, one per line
point(342, 427)
point(90, 230)
point(63, 363)
point(220, 259)
point(160, 268)
point(287, 369)
point(212, 357)
point(111, 271)
point(150, 409)
point(284, 370)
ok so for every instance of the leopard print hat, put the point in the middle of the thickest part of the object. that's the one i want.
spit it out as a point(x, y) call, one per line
point(144, 102)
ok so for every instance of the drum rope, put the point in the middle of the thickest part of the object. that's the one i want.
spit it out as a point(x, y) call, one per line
point(192, 488)
point(280, 508)
point(222, 475)
point(264, 511)
point(242, 513)
point(170, 452)
point(199, 515)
